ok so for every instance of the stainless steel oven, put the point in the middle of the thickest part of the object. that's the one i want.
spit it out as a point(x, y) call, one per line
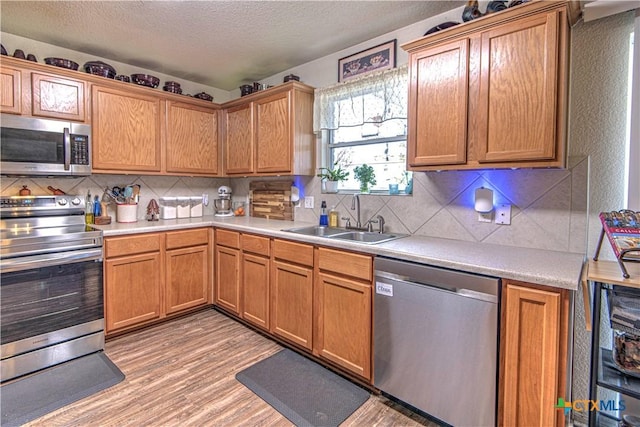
point(51, 290)
point(35, 146)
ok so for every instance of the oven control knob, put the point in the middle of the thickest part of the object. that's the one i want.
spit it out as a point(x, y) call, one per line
point(75, 201)
point(62, 202)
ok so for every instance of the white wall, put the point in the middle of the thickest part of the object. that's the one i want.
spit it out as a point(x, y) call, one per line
point(11, 42)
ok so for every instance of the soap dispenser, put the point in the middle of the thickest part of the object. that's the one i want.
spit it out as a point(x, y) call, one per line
point(333, 217)
point(324, 219)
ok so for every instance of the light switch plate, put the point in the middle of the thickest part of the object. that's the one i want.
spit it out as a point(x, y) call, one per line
point(308, 202)
point(503, 214)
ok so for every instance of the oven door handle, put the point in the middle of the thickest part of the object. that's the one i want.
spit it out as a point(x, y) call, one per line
point(49, 260)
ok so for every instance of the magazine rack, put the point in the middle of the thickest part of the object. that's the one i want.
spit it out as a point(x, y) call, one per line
point(623, 232)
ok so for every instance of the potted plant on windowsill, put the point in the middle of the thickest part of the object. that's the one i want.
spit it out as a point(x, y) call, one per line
point(367, 176)
point(332, 177)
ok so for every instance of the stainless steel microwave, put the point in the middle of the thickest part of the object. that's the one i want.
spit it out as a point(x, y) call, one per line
point(32, 146)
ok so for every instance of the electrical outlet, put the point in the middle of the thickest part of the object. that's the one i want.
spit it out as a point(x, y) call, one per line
point(503, 215)
point(308, 202)
point(485, 217)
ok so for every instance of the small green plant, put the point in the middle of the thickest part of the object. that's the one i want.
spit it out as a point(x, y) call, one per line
point(335, 174)
point(366, 175)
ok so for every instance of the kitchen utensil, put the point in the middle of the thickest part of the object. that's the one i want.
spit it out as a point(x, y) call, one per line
point(145, 80)
point(56, 191)
point(61, 62)
point(24, 191)
point(223, 203)
point(136, 193)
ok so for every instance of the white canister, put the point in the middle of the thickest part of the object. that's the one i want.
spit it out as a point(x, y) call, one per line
point(127, 212)
point(184, 207)
point(196, 206)
point(168, 208)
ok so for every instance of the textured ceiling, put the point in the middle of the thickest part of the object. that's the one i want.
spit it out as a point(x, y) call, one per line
point(217, 43)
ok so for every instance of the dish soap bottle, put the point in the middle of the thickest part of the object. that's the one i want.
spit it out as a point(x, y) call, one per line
point(333, 217)
point(88, 209)
point(324, 219)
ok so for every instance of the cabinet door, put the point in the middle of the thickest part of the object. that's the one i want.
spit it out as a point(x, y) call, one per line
point(56, 97)
point(126, 131)
point(10, 90)
point(132, 290)
point(291, 303)
point(238, 140)
point(228, 278)
point(255, 290)
point(187, 280)
point(192, 139)
point(273, 133)
point(343, 330)
point(519, 90)
point(532, 359)
point(438, 102)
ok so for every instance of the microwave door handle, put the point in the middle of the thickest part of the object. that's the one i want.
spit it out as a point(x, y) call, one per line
point(67, 149)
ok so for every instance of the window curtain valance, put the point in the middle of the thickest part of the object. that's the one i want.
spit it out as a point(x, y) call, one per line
point(344, 104)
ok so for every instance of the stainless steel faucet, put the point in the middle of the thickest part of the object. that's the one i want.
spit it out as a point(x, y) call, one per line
point(355, 205)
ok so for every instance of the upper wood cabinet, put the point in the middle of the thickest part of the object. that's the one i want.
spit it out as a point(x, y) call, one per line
point(10, 90)
point(126, 131)
point(192, 139)
point(238, 140)
point(271, 132)
point(491, 92)
point(56, 97)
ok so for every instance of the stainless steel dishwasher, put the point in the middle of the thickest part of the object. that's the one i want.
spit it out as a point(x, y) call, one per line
point(436, 340)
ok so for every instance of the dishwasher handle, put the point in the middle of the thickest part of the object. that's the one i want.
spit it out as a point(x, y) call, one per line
point(449, 288)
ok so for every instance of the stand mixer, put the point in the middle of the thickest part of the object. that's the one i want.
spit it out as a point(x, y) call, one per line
point(223, 203)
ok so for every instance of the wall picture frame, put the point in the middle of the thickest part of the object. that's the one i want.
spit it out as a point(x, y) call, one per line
point(377, 58)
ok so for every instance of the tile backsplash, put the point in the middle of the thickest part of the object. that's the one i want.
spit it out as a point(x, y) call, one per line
point(549, 206)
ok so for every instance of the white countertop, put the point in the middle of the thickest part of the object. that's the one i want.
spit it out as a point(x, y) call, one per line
point(551, 268)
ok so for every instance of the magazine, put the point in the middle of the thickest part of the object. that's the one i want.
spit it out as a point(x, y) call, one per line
point(623, 231)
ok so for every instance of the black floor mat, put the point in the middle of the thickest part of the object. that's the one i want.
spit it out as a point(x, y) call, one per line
point(303, 391)
point(34, 396)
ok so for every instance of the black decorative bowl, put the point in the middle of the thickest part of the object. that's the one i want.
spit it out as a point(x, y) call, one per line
point(100, 68)
point(145, 80)
point(61, 62)
point(204, 96)
point(123, 78)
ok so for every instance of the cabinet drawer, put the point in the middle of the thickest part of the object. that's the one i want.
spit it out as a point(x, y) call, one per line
point(255, 244)
point(347, 263)
point(130, 245)
point(182, 239)
point(228, 238)
point(294, 252)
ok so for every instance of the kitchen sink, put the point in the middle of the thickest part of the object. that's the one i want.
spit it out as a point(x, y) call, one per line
point(366, 237)
point(317, 231)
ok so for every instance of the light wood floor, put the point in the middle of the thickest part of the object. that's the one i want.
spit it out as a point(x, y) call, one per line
point(182, 373)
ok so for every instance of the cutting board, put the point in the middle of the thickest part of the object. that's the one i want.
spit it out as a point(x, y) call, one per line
point(271, 200)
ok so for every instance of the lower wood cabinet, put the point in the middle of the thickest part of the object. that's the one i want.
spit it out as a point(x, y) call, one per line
point(133, 275)
point(292, 293)
point(255, 273)
point(343, 307)
point(188, 271)
point(227, 267)
point(533, 354)
point(154, 275)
